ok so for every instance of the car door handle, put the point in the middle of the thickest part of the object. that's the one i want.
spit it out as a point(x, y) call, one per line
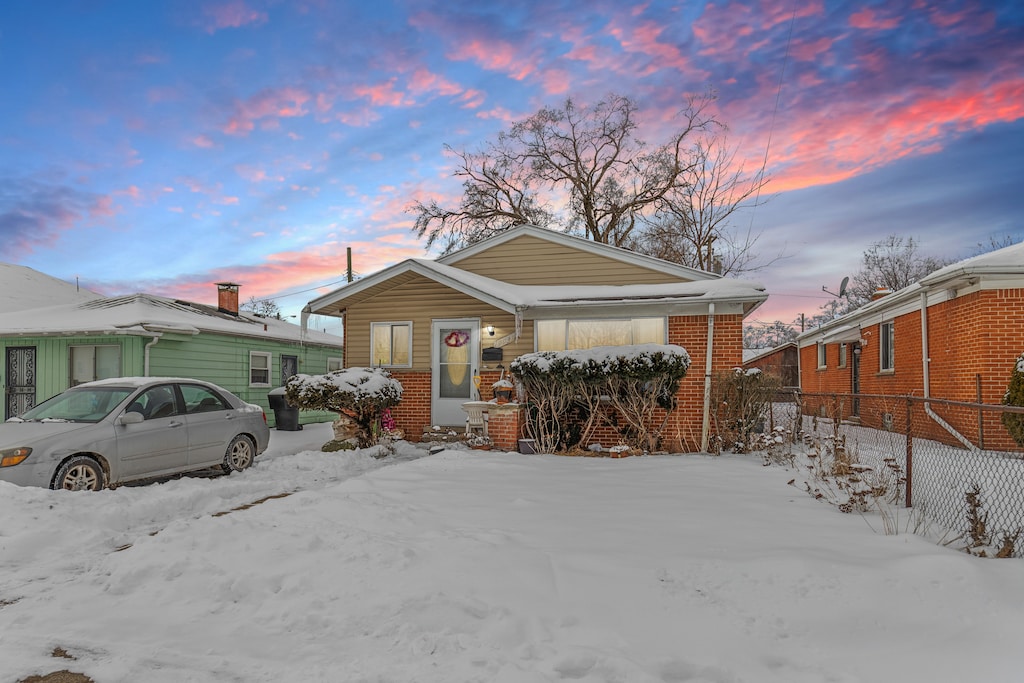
point(229, 416)
point(175, 424)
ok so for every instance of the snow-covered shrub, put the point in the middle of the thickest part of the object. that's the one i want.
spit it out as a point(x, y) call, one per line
point(362, 394)
point(568, 391)
point(1014, 422)
point(741, 401)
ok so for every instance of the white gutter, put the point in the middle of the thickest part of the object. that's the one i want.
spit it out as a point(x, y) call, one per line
point(304, 319)
point(705, 426)
point(149, 345)
point(926, 362)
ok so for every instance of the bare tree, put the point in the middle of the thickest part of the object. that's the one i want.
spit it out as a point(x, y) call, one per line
point(893, 263)
point(768, 335)
point(265, 308)
point(692, 223)
point(588, 158)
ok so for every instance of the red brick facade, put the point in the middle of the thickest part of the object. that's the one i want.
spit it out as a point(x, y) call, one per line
point(973, 342)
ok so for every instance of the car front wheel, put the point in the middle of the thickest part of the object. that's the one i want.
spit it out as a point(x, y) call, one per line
point(240, 454)
point(80, 473)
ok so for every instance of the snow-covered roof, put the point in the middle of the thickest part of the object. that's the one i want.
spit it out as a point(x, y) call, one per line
point(22, 288)
point(1005, 261)
point(147, 314)
point(538, 298)
point(1006, 264)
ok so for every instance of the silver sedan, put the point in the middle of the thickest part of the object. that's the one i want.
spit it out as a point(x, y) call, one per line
point(112, 431)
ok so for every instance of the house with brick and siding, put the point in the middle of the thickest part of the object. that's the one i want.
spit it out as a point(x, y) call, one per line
point(953, 335)
point(438, 325)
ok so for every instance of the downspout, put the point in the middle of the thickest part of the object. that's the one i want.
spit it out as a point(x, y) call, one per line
point(926, 362)
point(706, 425)
point(145, 353)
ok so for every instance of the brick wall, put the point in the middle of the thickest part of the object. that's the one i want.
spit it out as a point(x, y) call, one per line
point(413, 413)
point(973, 341)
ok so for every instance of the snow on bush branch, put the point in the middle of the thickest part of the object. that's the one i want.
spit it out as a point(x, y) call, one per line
point(569, 392)
point(360, 393)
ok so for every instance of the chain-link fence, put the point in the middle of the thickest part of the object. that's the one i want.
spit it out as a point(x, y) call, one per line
point(954, 463)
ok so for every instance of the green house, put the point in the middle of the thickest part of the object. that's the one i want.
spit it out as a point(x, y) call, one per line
point(47, 350)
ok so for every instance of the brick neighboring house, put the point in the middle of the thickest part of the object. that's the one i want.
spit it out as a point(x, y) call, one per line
point(435, 324)
point(781, 362)
point(953, 335)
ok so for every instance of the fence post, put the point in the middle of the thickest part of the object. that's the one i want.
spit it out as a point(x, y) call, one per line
point(910, 456)
point(981, 417)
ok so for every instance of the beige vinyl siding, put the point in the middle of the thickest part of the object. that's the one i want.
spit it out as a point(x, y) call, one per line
point(527, 260)
point(421, 300)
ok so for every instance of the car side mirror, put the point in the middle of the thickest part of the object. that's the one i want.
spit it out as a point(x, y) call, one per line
point(130, 418)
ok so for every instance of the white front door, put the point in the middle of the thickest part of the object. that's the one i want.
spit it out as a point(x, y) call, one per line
point(455, 351)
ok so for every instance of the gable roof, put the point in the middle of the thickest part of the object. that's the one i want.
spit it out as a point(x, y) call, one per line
point(148, 315)
point(1006, 265)
point(582, 244)
point(538, 299)
point(22, 288)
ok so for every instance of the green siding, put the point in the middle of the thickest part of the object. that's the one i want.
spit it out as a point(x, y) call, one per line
point(221, 359)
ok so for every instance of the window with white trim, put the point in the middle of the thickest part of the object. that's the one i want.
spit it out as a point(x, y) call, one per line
point(887, 347)
point(562, 335)
point(391, 344)
point(88, 363)
point(259, 368)
point(822, 358)
point(843, 350)
point(334, 364)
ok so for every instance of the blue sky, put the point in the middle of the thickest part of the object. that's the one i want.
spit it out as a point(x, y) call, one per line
point(164, 146)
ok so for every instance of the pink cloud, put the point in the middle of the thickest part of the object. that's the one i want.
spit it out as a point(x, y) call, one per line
point(234, 14)
point(495, 55)
point(382, 94)
point(256, 175)
point(203, 141)
point(869, 19)
point(267, 105)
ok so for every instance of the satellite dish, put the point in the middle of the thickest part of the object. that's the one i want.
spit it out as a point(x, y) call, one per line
point(842, 286)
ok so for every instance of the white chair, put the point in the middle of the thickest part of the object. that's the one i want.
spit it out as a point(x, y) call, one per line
point(476, 417)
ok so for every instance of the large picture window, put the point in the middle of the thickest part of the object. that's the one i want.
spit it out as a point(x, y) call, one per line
point(89, 363)
point(259, 369)
point(887, 347)
point(391, 344)
point(562, 335)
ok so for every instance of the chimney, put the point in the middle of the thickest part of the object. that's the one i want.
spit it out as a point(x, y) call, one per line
point(880, 292)
point(227, 297)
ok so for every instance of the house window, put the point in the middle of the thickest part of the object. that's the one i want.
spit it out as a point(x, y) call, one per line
point(561, 335)
point(89, 363)
point(887, 347)
point(822, 362)
point(334, 364)
point(391, 344)
point(259, 369)
point(842, 355)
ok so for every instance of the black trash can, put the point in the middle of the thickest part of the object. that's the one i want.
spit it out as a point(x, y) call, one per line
point(286, 416)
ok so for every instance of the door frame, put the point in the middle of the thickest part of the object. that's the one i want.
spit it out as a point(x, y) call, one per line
point(443, 411)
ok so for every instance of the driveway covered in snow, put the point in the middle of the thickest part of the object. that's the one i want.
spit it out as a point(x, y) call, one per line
point(473, 566)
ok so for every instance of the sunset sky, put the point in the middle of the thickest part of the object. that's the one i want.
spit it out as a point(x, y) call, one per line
point(164, 146)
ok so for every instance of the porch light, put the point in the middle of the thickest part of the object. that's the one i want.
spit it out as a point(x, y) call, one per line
point(490, 330)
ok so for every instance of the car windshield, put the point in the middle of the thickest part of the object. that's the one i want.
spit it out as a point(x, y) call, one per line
point(88, 404)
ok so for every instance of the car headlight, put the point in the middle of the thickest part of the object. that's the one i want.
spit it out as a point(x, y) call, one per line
point(12, 456)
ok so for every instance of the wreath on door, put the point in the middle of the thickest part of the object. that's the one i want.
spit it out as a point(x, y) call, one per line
point(456, 338)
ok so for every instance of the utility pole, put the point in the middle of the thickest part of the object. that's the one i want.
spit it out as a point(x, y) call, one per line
point(348, 269)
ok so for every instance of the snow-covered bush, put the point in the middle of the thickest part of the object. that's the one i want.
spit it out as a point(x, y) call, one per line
point(362, 394)
point(1014, 422)
point(567, 391)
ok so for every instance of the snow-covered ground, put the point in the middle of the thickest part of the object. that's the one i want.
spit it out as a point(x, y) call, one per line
point(484, 566)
